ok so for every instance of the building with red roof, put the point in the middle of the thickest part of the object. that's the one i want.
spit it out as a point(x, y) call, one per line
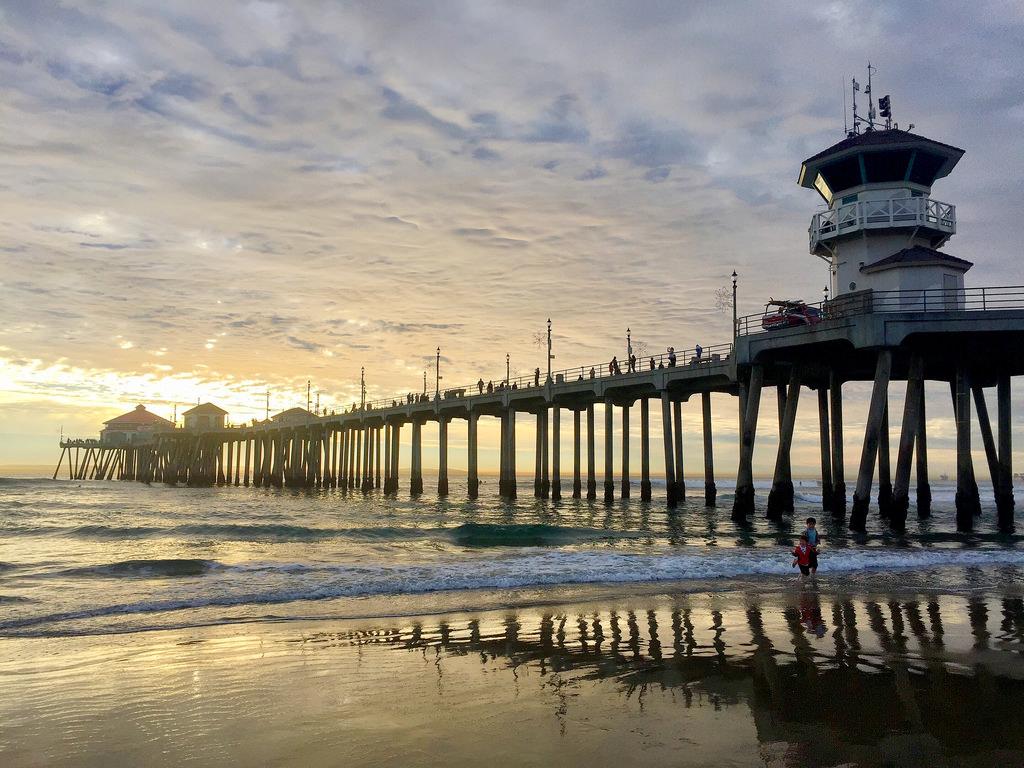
point(135, 426)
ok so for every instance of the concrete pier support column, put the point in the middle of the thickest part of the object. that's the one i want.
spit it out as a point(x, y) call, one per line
point(545, 455)
point(666, 432)
point(442, 456)
point(924, 490)
point(780, 498)
point(360, 461)
point(967, 502)
point(367, 460)
point(416, 462)
point(624, 481)
point(577, 484)
point(339, 460)
point(249, 443)
point(538, 455)
point(1004, 496)
point(376, 457)
point(835, 391)
point(869, 451)
point(503, 456)
point(591, 470)
point(609, 452)
point(677, 431)
point(396, 465)
point(905, 452)
point(556, 453)
point(884, 467)
point(220, 462)
point(987, 438)
point(512, 491)
point(257, 461)
point(350, 451)
point(710, 489)
point(471, 460)
point(743, 502)
point(645, 449)
point(387, 458)
point(825, 447)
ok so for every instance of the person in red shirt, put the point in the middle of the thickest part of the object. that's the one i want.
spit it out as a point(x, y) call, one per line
point(802, 555)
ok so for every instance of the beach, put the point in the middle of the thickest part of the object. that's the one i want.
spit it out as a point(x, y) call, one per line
point(157, 626)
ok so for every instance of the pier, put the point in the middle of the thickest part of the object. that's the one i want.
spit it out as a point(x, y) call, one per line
point(899, 311)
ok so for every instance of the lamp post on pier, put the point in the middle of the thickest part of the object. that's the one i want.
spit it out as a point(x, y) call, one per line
point(629, 347)
point(508, 369)
point(437, 375)
point(735, 321)
point(550, 356)
point(362, 388)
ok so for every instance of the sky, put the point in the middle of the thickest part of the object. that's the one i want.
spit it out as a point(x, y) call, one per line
point(209, 201)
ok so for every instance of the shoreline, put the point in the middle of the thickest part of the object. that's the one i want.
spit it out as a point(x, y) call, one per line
point(742, 678)
point(957, 580)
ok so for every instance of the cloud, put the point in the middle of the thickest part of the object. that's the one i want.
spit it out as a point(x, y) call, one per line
point(285, 181)
point(400, 109)
point(591, 174)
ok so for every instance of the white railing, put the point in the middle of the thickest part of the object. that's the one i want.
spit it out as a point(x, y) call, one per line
point(877, 214)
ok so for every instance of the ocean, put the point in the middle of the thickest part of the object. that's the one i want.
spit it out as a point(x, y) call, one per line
point(78, 557)
point(178, 626)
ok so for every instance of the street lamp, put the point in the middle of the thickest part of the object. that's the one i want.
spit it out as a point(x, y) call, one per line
point(437, 373)
point(735, 322)
point(362, 388)
point(508, 369)
point(825, 292)
point(629, 346)
point(550, 356)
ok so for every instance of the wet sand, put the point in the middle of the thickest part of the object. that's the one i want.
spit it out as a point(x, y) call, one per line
point(810, 677)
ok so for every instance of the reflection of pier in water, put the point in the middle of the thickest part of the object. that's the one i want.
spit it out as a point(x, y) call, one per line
point(838, 676)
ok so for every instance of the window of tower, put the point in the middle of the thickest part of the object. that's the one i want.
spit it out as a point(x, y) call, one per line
point(886, 166)
point(926, 166)
point(843, 174)
point(822, 186)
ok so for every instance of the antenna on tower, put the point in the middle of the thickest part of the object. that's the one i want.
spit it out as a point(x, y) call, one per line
point(871, 99)
point(856, 118)
point(846, 130)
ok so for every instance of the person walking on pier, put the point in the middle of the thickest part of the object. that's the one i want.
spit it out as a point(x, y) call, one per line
point(480, 386)
point(490, 387)
point(536, 377)
point(632, 363)
point(698, 350)
point(671, 357)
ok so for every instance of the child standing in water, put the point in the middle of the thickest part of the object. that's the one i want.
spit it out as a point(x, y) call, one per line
point(814, 540)
point(802, 555)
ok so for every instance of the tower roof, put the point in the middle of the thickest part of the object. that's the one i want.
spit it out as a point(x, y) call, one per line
point(917, 256)
point(878, 156)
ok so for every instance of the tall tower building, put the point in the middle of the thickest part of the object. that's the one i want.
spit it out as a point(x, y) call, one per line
point(882, 228)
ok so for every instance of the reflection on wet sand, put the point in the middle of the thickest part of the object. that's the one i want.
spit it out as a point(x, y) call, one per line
point(930, 680)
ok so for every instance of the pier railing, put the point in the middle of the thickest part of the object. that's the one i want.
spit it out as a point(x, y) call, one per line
point(681, 357)
point(985, 299)
point(874, 214)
